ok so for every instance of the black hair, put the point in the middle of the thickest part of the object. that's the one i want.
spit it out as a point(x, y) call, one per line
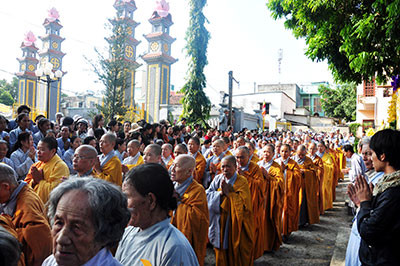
point(111, 124)
point(67, 121)
point(51, 143)
point(348, 147)
point(196, 140)
point(88, 139)
point(153, 178)
point(118, 142)
point(387, 142)
point(23, 136)
point(23, 107)
point(98, 133)
point(20, 117)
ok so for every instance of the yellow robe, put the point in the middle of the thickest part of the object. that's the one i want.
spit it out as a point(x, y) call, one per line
point(341, 162)
point(191, 218)
point(53, 171)
point(328, 181)
point(275, 191)
point(257, 185)
point(336, 171)
point(255, 158)
point(319, 166)
point(291, 210)
point(310, 184)
point(111, 171)
point(32, 227)
point(200, 168)
point(237, 205)
point(139, 162)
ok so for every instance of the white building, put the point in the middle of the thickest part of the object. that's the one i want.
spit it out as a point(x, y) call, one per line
point(372, 104)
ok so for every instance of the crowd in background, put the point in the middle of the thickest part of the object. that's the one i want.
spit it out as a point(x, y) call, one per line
point(243, 192)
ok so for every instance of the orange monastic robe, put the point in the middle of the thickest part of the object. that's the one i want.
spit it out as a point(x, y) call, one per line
point(319, 166)
point(111, 171)
point(310, 185)
point(328, 180)
point(6, 223)
point(236, 206)
point(257, 185)
point(53, 171)
point(191, 218)
point(200, 168)
point(255, 158)
point(291, 210)
point(336, 172)
point(275, 191)
point(32, 227)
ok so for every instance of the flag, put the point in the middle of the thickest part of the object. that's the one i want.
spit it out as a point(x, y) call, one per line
point(264, 109)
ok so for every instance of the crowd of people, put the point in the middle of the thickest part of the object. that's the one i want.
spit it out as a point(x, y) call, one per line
point(75, 192)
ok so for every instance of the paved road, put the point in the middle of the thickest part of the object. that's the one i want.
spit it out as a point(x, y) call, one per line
point(315, 244)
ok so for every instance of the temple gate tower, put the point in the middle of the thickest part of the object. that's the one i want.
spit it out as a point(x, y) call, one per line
point(159, 61)
point(125, 10)
point(51, 52)
point(27, 65)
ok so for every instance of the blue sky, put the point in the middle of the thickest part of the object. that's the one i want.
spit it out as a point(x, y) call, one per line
point(244, 39)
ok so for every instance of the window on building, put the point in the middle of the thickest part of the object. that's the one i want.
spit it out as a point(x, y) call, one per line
point(306, 103)
point(80, 104)
point(368, 124)
point(317, 105)
point(369, 88)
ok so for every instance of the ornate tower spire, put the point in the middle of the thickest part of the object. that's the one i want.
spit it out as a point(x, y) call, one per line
point(125, 10)
point(51, 52)
point(159, 61)
point(26, 74)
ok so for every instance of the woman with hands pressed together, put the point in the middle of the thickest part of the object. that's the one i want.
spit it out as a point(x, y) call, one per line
point(378, 219)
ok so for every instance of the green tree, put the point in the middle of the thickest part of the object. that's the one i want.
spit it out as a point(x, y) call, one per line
point(113, 70)
point(6, 98)
point(196, 104)
point(11, 88)
point(339, 102)
point(359, 39)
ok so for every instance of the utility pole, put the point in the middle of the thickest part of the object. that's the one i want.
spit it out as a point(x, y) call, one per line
point(231, 79)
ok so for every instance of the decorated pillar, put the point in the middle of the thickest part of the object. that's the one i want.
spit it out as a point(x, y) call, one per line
point(159, 61)
point(125, 10)
point(51, 52)
point(27, 85)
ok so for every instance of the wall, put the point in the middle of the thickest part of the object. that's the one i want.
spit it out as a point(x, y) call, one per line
point(292, 90)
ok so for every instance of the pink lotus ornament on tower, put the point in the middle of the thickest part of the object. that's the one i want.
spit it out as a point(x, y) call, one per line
point(53, 15)
point(162, 8)
point(30, 39)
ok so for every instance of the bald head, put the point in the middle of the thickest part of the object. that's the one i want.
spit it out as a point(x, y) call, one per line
point(182, 168)
point(86, 150)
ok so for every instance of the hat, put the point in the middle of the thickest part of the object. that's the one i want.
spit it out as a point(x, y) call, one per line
point(67, 121)
point(135, 127)
point(83, 121)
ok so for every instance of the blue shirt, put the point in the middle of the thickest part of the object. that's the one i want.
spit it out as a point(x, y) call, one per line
point(22, 162)
point(160, 244)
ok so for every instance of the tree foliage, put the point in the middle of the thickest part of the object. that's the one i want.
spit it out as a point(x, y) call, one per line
point(359, 39)
point(8, 91)
point(113, 70)
point(196, 104)
point(339, 102)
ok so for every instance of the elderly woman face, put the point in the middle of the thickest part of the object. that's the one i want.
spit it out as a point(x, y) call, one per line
point(73, 230)
point(138, 205)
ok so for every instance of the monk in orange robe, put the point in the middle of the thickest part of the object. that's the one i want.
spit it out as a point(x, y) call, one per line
point(231, 216)
point(194, 150)
point(46, 174)
point(253, 154)
point(319, 166)
point(309, 208)
point(328, 175)
point(213, 163)
point(274, 191)
point(336, 169)
point(166, 154)
point(28, 216)
point(292, 177)
point(255, 178)
point(191, 216)
point(108, 167)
